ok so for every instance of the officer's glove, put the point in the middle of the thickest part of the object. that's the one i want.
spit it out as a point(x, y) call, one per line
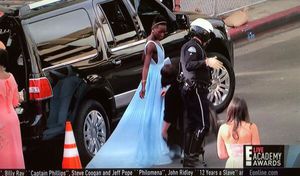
point(214, 63)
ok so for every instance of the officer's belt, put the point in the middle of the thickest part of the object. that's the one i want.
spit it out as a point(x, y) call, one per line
point(196, 84)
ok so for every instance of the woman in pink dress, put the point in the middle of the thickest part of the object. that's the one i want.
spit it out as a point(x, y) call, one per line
point(236, 132)
point(11, 154)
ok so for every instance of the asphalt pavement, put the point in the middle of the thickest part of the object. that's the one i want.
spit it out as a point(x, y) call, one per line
point(266, 66)
point(267, 70)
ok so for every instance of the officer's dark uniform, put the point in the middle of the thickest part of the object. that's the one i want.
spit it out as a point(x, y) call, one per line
point(197, 78)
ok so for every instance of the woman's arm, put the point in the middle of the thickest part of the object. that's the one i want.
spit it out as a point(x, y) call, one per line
point(255, 135)
point(149, 52)
point(16, 98)
point(221, 147)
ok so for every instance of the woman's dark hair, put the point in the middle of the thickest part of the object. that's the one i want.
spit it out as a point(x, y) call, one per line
point(3, 58)
point(168, 75)
point(237, 112)
point(159, 20)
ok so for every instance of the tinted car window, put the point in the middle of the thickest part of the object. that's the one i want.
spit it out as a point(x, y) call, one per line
point(148, 10)
point(119, 21)
point(63, 38)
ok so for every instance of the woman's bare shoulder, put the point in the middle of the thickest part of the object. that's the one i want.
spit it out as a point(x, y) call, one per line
point(253, 126)
point(224, 127)
point(5, 75)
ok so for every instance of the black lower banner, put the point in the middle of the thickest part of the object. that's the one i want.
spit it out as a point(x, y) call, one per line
point(157, 172)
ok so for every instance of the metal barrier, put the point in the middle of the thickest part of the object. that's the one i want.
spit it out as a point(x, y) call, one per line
point(215, 7)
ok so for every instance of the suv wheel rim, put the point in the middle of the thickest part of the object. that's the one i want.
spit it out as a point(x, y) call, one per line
point(94, 131)
point(219, 89)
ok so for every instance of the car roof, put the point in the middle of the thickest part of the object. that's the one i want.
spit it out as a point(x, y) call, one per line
point(30, 8)
point(40, 7)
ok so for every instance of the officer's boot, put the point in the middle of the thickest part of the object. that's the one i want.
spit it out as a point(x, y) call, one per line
point(197, 148)
point(188, 160)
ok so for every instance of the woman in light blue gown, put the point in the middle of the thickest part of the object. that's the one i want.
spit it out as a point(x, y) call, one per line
point(137, 141)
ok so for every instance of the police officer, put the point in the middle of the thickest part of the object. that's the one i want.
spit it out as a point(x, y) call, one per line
point(196, 73)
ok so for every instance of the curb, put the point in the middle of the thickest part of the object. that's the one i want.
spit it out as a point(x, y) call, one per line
point(251, 28)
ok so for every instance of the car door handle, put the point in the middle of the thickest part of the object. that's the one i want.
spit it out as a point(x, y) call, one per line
point(116, 61)
point(19, 110)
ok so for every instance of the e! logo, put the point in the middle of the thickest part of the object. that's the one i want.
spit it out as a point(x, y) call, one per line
point(248, 155)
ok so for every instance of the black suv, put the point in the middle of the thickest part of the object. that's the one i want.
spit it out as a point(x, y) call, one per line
point(80, 60)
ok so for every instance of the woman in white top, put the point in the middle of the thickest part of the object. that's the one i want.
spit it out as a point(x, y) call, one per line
point(236, 132)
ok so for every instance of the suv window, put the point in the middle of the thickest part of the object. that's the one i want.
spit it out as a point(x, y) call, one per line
point(63, 38)
point(119, 22)
point(148, 10)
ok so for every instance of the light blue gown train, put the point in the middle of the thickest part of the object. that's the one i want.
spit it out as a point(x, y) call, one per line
point(137, 141)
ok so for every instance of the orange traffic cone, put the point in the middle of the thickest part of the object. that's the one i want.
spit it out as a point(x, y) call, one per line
point(71, 158)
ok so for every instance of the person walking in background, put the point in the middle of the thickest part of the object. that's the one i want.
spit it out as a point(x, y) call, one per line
point(137, 140)
point(11, 153)
point(173, 115)
point(236, 132)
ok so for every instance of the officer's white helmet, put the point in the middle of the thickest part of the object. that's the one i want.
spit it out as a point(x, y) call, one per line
point(201, 28)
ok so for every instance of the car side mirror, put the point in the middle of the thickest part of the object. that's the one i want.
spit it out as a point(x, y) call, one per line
point(183, 21)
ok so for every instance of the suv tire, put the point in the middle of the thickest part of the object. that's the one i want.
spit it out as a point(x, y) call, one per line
point(213, 119)
point(91, 129)
point(223, 84)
